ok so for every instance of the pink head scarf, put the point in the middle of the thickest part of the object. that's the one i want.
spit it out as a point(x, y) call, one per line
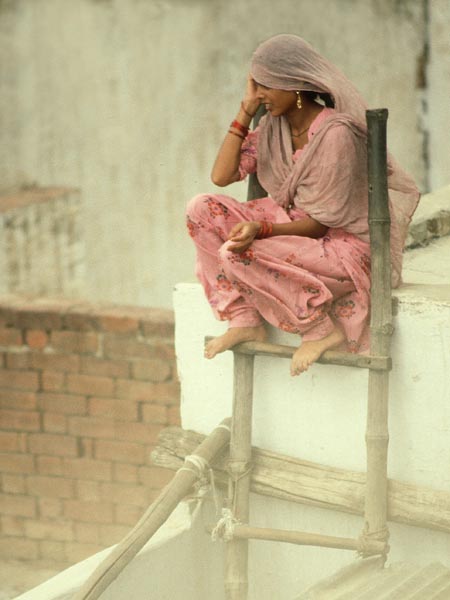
point(287, 62)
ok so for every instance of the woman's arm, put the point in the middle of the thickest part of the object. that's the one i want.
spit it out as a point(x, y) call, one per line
point(226, 166)
point(244, 233)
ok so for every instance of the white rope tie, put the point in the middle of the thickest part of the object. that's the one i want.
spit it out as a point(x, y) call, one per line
point(224, 528)
point(223, 426)
point(198, 462)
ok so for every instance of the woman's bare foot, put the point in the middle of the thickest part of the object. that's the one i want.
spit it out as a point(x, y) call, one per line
point(310, 351)
point(234, 335)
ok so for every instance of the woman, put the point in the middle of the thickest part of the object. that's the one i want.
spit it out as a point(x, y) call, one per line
point(299, 259)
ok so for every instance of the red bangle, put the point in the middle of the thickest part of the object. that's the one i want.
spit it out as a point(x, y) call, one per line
point(237, 134)
point(265, 230)
point(242, 128)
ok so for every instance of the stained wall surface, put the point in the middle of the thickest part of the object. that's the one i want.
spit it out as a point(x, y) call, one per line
point(128, 100)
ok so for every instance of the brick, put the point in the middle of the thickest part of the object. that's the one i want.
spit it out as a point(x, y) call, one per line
point(55, 362)
point(50, 508)
point(106, 368)
point(20, 420)
point(162, 323)
point(77, 342)
point(81, 318)
point(121, 493)
point(9, 336)
point(157, 393)
point(54, 551)
point(164, 351)
point(76, 552)
point(94, 427)
point(9, 441)
point(88, 491)
point(54, 422)
point(119, 323)
point(13, 484)
point(49, 465)
point(154, 413)
point(126, 514)
point(18, 400)
point(49, 530)
point(53, 381)
point(174, 417)
point(88, 512)
point(87, 448)
point(36, 339)
point(90, 385)
point(112, 534)
point(87, 533)
point(155, 477)
point(137, 432)
point(151, 370)
point(19, 380)
point(122, 346)
point(17, 360)
point(121, 410)
point(69, 404)
point(125, 473)
point(16, 463)
point(49, 443)
point(11, 525)
point(86, 468)
point(35, 316)
point(120, 451)
point(17, 548)
point(19, 505)
point(50, 487)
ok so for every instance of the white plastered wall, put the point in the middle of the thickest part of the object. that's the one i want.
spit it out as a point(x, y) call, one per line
point(320, 416)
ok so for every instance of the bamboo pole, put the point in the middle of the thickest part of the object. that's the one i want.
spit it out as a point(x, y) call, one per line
point(255, 189)
point(313, 484)
point(377, 437)
point(236, 578)
point(330, 357)
point(303, 538)
point(158, 512)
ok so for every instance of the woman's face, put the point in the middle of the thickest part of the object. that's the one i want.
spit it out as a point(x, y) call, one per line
point(277, 102)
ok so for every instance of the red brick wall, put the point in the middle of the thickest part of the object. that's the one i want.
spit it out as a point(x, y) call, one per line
point(84, 391)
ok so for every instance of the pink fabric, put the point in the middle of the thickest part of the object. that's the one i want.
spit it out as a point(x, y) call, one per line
point(321, 182)
point(298, 284)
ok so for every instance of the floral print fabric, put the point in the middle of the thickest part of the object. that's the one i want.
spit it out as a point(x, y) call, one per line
point(298, 284)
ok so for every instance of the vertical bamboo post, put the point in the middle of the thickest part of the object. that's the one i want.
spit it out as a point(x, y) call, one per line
point(255, 189)
point(377, 437)
point(236, 579)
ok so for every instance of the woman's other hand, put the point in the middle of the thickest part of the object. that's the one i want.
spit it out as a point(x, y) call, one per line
point(250, 102)
point(243, 235)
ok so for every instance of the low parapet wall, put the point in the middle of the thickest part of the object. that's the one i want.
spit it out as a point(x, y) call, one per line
point(84, 391)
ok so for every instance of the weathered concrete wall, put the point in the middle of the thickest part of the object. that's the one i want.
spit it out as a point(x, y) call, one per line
point(128, 100)
point(41, 242)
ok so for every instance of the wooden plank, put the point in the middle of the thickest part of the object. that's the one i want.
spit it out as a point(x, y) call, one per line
point(314, 484)
point(330, 357)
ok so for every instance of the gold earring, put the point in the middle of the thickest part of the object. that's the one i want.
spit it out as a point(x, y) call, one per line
point(299, 100)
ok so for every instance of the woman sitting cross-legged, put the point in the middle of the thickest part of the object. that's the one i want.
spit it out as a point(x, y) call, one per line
point(299, 258)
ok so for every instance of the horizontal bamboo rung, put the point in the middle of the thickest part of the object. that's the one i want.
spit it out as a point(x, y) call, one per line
point(303, 538)
point(305, 482)
point(330, 357)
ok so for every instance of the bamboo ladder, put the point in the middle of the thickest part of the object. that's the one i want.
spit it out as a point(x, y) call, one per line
point(374, 537)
